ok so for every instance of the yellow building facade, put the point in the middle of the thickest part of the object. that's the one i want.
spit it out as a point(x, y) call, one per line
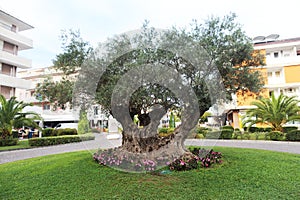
point(281, 75)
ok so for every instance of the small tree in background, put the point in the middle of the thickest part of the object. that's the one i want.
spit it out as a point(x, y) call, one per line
point(83, 124)
point(12, 116)
point(274, 112)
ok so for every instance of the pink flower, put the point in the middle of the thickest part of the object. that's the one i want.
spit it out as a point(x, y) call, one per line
point(182, 162)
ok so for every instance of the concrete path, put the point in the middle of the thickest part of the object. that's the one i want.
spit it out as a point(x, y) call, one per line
point(101, 142)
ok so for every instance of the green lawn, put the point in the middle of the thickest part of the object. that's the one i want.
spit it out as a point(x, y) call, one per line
point(245, 174)
point(22, 144)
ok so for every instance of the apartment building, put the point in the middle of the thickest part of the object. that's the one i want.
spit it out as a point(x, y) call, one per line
point(281, 74)
point(11, 42)
point(52, 116)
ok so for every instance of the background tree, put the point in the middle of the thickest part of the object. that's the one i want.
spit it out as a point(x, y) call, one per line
point(220, 40)
point(274, 112)
point(75, 51)
point(12, 116)
point(58, 93)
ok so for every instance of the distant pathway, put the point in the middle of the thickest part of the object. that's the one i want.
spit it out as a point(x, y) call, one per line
point(101, 142)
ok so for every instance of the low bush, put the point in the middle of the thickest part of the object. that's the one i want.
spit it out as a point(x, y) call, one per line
point(287, 129)
point(163, 130)
point(293, 135)
point(47, 141)
point(237, 134)
point(226, 134)
point(15, 134)
point(227, 128)
point(64, 131)
point(47, 132)
point(8, 142)
point(275, 135)
point(202, 130)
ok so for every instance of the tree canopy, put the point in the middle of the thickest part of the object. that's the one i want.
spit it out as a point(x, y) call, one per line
point(220, 42)
point(75, 51)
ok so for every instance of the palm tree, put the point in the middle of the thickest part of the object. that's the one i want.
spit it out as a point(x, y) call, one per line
point(11, 116)
point(274, 112)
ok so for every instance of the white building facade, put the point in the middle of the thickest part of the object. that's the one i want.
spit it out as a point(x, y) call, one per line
point(11, 42)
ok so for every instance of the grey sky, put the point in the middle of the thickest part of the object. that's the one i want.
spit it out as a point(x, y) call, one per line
point(100, 19)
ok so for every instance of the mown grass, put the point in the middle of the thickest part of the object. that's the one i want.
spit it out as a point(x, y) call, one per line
point(245, 174)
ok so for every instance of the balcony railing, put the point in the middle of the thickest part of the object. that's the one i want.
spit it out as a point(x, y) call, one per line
point(15, 38)
point(14, 82)
point(11, 59)
point(283, 61)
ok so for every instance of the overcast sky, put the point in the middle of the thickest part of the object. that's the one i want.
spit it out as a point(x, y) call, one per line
point(99, 19)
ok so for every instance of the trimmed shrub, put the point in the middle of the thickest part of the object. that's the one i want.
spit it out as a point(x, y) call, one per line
point(202, 130)
point(246, 136)
point(289, 128)
point(226, 134)
point(163, 130)
point(227, 128)
point(237, 134)
point(293, 135)
point(275, 135)
point(47, 132)
point(8, 142)
point(64, 131)
point(47, 141)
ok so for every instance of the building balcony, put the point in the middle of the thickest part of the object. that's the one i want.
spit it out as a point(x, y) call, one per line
point(15, 38)
point(15, 82)
point(283, 61)
point(15, 60)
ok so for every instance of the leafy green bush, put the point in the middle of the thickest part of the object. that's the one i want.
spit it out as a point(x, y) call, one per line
point(83, 124)
point(246, 136)
point(226, 134)
point(163, 130)
point(275, 135)
point(15, 134)
point(64, 131)
point(47, 132)
point(9, 142)
point(202, 130)
point(293, 135)
point(227, 128)
point(47, 141)
point(289, 128)
point(237, 134)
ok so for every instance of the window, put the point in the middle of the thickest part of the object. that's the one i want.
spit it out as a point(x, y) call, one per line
point(277, 73)
point(46, 107)
point(96, 110)
point(270, 93)
point(276, 54)
point(269, 74)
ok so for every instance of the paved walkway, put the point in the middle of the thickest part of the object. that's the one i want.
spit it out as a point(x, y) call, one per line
point(101, 142)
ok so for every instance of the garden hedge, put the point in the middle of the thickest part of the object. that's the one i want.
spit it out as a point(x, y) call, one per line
point(47, 141)
point(293, 135)
point(8, 142)
point(47, 132)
